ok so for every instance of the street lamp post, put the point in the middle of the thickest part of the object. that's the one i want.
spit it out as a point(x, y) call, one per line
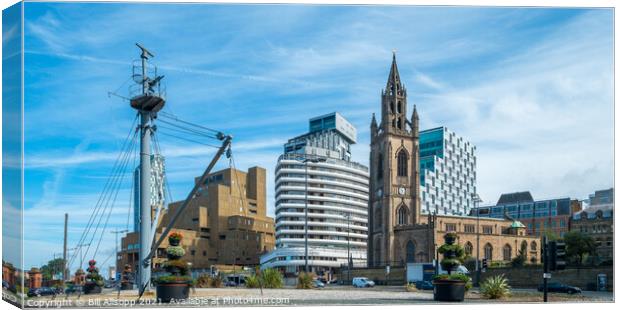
point(477, 200)
point(116, 266)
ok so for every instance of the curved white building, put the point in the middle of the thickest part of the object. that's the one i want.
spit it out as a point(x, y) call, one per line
point(337, 193)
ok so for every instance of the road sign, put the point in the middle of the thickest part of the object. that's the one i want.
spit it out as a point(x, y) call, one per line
point(387, 269)
point(547, 275)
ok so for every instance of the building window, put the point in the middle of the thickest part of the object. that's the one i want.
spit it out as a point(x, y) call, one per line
point(507, 252)
point(470, 228)
point(488, 251)
point(402, 215)
point(469, 248)
point(380, 167)
point(402, 163)
point(410, 252)
point(487, 229)
point(450, 227)
point(533, 246)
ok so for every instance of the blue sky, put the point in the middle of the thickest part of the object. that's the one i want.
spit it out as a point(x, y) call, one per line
point(531, 88)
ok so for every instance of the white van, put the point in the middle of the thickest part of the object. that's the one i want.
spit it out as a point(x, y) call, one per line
point(362, 282)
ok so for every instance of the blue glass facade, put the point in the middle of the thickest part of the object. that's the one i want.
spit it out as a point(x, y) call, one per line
point(431, 144)
point(527, 210)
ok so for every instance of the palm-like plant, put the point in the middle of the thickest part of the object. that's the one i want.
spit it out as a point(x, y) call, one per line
point(495, 287)
point(304, 280)
point(272, 278)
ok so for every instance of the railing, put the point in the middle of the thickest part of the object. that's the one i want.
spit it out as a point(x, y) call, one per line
point(293, 156)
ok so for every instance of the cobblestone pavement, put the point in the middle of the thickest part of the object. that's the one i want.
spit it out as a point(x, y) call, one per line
point(333, 295)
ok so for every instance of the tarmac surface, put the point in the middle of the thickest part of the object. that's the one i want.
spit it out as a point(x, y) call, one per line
point(331, 295)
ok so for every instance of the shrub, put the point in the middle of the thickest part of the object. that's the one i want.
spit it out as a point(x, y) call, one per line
point(252, 282)
point(456, 276)
point(175, 236)
point(495, 287)
point(172, 279)
point(452, 253)
point(177, 251)
point(176, 265)
point(216, 282)
point(410, 287)
point(202, 281)
point(304, 280)
point(518, 261)
point(272, 278)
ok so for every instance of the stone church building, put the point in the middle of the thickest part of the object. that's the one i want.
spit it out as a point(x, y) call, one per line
point(398, 232)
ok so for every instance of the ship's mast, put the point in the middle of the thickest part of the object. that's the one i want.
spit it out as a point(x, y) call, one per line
point(148, 102)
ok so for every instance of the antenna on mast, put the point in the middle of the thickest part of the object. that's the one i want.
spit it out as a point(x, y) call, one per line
point(145, 53)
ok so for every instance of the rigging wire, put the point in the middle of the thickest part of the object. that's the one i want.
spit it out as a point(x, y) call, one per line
point(195, 131)
point(105, 199)
point(182, 131)
point(190, 140)
point(109, 202)
point(123, 173)
point(104, 192)
point(174, 117)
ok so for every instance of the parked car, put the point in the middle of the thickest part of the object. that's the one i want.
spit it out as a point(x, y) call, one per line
point(41, 291)
point(318, 284)
point(109, 283)
point(362, 282)
point(73, 289)
point(322, 279)
point(8, 286)
point(560, 288)
point(230, 283)
point(424, 285)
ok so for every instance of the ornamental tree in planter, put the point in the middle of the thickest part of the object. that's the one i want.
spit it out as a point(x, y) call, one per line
point(174, 284)
point(94, 281)
point(127, 278)
point(450, 287)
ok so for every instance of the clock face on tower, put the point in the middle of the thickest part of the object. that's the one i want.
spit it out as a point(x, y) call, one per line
point(401, 191)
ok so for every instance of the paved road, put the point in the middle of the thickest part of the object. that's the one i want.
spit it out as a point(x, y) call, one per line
point(331, 295)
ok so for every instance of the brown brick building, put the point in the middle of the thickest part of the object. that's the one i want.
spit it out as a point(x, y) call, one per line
point(598, 222)
point(397, 231)
point(225, 224)
point(539, 217)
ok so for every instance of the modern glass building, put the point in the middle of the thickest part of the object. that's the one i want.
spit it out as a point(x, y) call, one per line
point(551, 215)
point(337, 193)
point(447, 172)
point(157, 188)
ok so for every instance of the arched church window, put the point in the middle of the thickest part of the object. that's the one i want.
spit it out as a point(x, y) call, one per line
point(469, 248)
point(402, 215)
point(488, 251)
point(402, 163)
point(507, 252)
point(380, 167)
point(410, 252)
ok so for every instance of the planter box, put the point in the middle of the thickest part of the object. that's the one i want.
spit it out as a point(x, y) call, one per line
point(448, 290)
point(167, 292)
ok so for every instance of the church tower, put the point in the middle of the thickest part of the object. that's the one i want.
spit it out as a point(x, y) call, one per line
point(394, 171)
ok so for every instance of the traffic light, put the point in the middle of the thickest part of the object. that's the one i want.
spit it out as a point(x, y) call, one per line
point(557, 255)
point(484, 263)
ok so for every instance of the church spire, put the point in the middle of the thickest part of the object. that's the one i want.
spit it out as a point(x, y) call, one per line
point(393, 83)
